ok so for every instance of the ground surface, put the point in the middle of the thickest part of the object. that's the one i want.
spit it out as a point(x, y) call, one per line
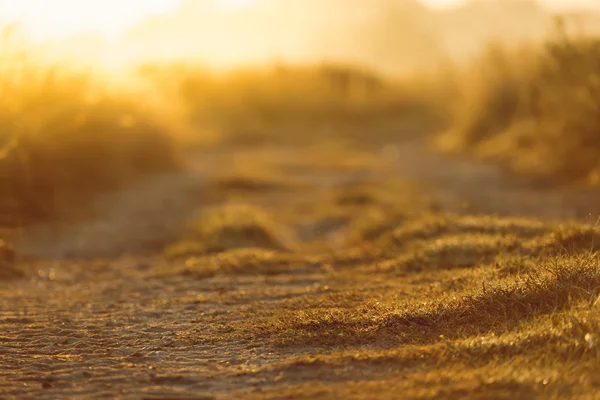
point(389, 272)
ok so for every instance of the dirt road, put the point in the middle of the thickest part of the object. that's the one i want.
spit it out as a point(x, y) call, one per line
point(100, 318)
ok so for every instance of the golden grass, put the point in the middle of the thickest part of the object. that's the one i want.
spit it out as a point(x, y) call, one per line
point(228, 227)
point(404, 302)
point(68, 134)
point(243, 261)
point(534, 109)
point(295, 103)
point(493, 307)
point(466, 306)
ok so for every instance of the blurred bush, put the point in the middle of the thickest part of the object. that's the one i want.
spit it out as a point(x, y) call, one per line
point(303, 103)
point(535, 109)
point(67, 135)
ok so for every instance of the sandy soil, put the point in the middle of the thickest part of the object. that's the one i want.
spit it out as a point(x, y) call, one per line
point(98, 321)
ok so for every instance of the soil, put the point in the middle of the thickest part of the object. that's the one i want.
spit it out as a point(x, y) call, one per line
point(94, 319)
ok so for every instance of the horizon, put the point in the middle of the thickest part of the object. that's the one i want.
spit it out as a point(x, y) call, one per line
point(110, 19)
point(225, 34)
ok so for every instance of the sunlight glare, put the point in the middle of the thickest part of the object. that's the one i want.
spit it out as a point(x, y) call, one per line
point(233, 4)
point(56, 19)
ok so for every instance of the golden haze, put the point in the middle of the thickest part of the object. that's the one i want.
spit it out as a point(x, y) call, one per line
point(290, 225)
point(234, 32)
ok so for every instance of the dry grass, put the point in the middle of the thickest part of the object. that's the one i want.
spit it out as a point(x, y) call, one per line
point(465, 306)
point(232, 226)
point(328, 286)
point(68, 134)
point(534, 110)
point(301, 103)
point(244, 261)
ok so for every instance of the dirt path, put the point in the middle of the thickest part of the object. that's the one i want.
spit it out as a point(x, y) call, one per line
point(154, 213)
point(98, 320)
point(136, 220)
point(465, 185)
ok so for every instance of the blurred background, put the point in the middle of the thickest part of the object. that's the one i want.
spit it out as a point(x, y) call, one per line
point(97, 94)
point(275, 197)
point(392, 36)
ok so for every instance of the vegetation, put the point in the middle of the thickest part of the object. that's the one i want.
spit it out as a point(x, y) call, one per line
point(463, 306)
point(534, 110)
point(302, 103)
point(310, 272)
point(229, 227)
point(407, 300)
point(67, 135)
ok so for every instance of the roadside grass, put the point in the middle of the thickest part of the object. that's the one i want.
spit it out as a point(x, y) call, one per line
point(69, 134)
point(416, 302)
point(296, 104)
point(232, 226)
point(534, 109)
point(463, 306)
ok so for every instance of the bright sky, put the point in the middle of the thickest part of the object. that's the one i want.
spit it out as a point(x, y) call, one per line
point(59, 18)
point(552, 3)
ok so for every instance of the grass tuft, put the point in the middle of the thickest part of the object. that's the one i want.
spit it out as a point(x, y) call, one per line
point(228, 227)
point(68, 135)
point(244, 261)
point(534, 109)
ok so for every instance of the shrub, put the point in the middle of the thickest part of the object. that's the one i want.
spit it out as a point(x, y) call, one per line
point(535, 109)
point(230, 226)
point(66, 134)
point(299, 103)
